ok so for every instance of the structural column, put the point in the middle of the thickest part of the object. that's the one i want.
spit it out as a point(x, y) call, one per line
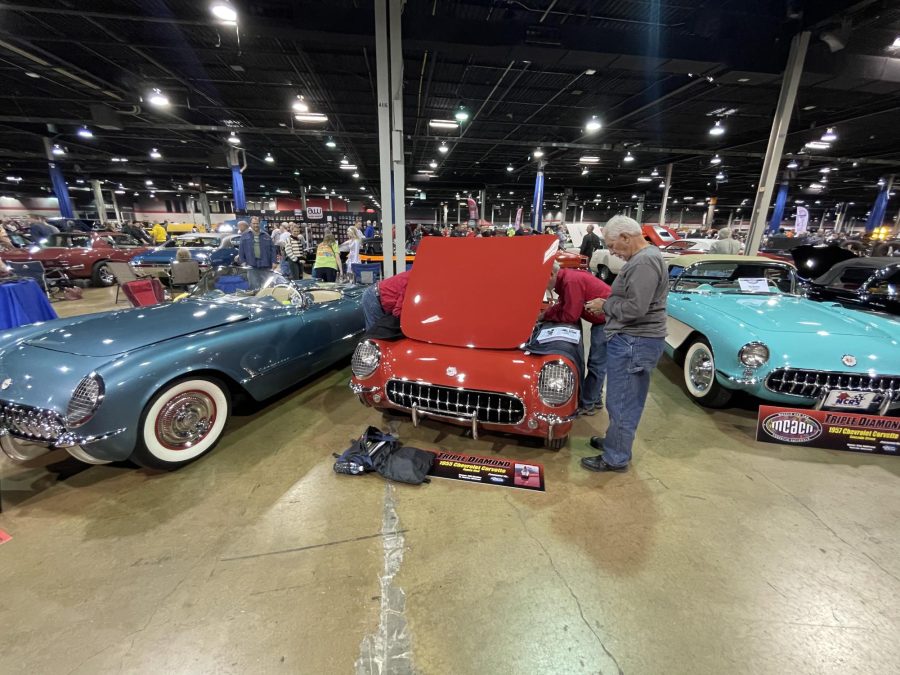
point(786, 99)
point(389, 71)
point(99, 203)
point(60, 189)
point(537, 205)
point(565, 208)
point(204, 206)
point(665, 197)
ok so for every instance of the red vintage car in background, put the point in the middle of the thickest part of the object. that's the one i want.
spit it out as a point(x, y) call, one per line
point(83, 255)
point(571, 260)
point(470, 307)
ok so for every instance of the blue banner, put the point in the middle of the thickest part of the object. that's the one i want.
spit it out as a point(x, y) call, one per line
point(237, 186)
point(61, 190)
point(876, 216)
point(537, 206)
point(778, 213)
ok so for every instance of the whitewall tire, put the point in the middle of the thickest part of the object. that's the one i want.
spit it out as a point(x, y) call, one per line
point(700, 376)
point(181, 423)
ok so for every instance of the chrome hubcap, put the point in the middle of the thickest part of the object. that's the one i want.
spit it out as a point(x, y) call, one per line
point(700, 370)
point(105, 275)
point(185, 420)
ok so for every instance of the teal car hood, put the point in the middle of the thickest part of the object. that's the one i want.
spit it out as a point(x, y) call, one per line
point(790, 314)
point(115, 333)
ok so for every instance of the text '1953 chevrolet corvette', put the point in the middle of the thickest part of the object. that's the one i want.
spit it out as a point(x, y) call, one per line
point(155, 384)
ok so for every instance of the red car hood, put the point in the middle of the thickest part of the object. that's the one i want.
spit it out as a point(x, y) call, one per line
point(478, 293)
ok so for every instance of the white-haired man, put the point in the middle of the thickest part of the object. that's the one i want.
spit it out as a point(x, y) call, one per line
point(725, 243)
point(636, 330)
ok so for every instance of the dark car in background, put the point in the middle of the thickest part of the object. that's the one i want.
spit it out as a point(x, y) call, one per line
point(861, 283)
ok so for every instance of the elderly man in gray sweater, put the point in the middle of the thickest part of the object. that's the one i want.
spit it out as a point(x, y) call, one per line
point(635, 331)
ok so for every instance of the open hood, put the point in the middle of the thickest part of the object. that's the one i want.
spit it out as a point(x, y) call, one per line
point(119, 332)
point(482, 293)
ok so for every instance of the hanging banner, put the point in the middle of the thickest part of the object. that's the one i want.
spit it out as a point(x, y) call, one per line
point(831, 430)
point(488, 470)
point(519, 218)
point(473, 212)
point(801, 223)
point(315, 212)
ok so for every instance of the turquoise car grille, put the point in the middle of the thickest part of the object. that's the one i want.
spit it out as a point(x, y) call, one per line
point(810, 383)
point(487, 407)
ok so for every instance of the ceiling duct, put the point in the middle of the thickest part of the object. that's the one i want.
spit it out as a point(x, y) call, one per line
point(105, 117)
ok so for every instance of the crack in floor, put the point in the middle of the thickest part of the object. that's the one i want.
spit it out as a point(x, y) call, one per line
point(613, 662)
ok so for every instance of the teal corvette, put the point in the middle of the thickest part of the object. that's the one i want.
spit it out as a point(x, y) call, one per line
point(737, 323)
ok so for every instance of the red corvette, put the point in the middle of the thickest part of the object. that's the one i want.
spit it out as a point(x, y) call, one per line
point(84, 254)
point(470, 307)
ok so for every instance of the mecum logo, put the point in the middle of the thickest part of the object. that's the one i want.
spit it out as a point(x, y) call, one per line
point(792, 427)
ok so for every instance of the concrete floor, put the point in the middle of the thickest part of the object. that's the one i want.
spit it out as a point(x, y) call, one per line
point(713, 554)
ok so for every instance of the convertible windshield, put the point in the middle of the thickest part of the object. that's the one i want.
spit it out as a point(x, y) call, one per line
point(237, 282)
point(196, 242)
point(734, 277)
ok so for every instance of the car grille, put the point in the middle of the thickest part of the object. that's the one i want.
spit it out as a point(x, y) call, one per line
point(30, 423)
point(809, 383)
point(488, 407)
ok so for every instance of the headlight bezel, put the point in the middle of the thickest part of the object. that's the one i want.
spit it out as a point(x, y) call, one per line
point(363, 373)
point(566, 391)
point(92, 390)
point(751, 354)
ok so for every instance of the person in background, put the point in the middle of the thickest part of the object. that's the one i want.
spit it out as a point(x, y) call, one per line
point(279, 234)
point(370, 230)
point(158, 234)
point(575, 288)
point(635, 331)
point(242, 226)
point(383, 298)
point(725, 243)
point(137, 233)
point(590, 243)
point(39, 228)
point(293, 253)
point(328, 258)
point(182, 255)
point(256, 249)
point(5, 242)
point(354, 240)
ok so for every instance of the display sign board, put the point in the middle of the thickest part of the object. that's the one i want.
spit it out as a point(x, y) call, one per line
point(488, 470)
point(801, 223)
point(832, 430)
point(4, 536)
point(314, 212)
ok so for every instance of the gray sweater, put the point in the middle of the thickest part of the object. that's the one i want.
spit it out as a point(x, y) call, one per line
point(637, 305)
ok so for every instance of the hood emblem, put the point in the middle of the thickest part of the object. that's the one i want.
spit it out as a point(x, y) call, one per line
point(6, 383)
point(848, 360)
point(451, 371)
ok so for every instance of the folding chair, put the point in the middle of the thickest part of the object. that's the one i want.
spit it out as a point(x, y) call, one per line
point(31, 270)
point(144, 292)
point(184, 273)
point(123, 273)
point(366, 273)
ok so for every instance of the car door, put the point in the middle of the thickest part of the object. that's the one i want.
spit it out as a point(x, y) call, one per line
point(847, 289)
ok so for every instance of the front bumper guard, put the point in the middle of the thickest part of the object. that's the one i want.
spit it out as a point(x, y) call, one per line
point(67, 439)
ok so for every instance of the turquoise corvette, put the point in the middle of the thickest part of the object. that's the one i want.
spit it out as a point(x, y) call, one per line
point(737, 323)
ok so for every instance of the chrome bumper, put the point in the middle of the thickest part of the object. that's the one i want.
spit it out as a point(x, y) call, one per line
point(45, 427)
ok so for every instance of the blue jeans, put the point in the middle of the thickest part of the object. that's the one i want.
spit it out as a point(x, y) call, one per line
point(592, 387)
point(371, 306)
point(631, 360)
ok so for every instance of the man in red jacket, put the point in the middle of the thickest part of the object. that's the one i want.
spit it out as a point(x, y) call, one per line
point(385, 297)
point(575, 288)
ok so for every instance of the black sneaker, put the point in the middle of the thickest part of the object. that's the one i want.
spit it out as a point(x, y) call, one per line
point(598, 464)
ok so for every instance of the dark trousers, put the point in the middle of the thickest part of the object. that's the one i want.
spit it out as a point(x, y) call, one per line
point(295, 268)
point(327, 274)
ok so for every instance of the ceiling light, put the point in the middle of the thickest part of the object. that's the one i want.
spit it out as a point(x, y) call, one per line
point(818, 145)
point(538, 153)
point(57, 150)
point(510, 168)
point(84, 132)
point(829, 136)
point(432, 164)
point(233, 139)
point(344, 160)
point(644, 179)
point(191, 184)
point(462, 114)
point(443, 124)
point(32, 74)
point(158, 98)
point(896, 43)
point(314, 118)
point(442, 148)
point(720, 176)
point(716, 160)
point(654, 173)
point(120, 192)
point(589, 159)
point(793, 164)
point(299, 105)
point(356, 175)
point(223, 10)
point(584, 171)
point(662, 185)
point(14, 179)
point(135, 194)
point(592, 125)
point(816, 186)
point(330, 143)
point(634, 196)
point(717, 129)
point(825, 169)
point(155, 154)
point(628, 157)
point(148, 182)
point(268, 158)
point(118, 159)
point(591, 71)
point(349, 167)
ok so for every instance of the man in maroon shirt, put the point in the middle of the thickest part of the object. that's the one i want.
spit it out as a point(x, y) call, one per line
point(575, 288)
point(385, 297)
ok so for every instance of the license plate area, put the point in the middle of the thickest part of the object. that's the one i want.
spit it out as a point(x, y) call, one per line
point(843, 399)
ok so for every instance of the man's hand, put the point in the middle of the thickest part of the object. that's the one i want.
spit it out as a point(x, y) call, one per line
point(595, 306)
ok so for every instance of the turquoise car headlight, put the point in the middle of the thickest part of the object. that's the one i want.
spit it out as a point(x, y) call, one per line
point(754, 354)
point(86, 398)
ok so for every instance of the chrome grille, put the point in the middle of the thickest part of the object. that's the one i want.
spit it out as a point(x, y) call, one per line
point(809, 383)
point(31, 423)
point(488, 407)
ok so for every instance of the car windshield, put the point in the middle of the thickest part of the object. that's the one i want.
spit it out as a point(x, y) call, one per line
point(197, 242)
point(246, 285)
point(121, 240)
point(733, 277)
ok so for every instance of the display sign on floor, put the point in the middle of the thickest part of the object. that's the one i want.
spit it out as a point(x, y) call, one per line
point(4, 536)
point(488, 470)
point(829, 430)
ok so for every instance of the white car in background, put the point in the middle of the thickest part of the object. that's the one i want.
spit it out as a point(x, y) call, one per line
point(603, 263)
point(686, 247)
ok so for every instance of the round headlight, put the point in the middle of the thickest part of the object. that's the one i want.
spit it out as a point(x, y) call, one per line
point(556, 383)
point(85, 400)
point(365, 359)
point(754, 354)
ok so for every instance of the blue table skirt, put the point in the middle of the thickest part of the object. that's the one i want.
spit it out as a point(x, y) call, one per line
point(23, 302)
